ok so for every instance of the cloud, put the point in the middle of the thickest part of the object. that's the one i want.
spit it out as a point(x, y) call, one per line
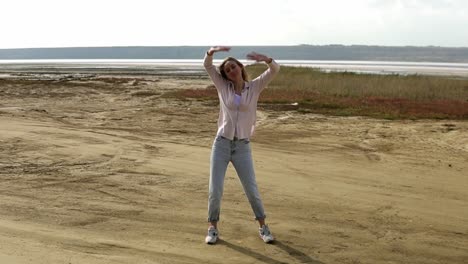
point(243, 22)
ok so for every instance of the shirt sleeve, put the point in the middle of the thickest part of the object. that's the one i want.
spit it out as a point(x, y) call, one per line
point(215, 76)
point(268, 75)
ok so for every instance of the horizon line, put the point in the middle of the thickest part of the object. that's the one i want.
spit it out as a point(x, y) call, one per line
point(292, 45)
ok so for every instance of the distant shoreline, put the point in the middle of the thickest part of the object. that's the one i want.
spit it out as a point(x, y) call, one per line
point(299, 52)
point(195, 66)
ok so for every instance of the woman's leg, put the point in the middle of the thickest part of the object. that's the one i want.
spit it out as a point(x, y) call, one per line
point(243, 163)
point(220, 157)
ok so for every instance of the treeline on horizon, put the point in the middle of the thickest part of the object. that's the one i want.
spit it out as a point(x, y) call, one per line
point(299, 52)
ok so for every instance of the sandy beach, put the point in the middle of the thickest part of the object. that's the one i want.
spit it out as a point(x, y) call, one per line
point(106, 168)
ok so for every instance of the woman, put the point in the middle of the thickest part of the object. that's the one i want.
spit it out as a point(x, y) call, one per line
point(238, 105)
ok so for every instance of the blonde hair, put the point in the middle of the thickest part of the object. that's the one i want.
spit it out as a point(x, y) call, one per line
point(223, 73)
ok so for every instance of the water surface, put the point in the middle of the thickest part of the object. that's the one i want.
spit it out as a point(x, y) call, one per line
point(196, 66)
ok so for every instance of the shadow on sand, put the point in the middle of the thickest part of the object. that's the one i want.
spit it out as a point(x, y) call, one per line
point(298, 255)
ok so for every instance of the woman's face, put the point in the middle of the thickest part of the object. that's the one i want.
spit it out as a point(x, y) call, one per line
point(233, 71)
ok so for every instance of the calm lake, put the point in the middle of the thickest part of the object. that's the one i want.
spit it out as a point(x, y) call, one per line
point(381, 67)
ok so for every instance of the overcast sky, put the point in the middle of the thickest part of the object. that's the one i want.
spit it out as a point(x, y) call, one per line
point(82, 23)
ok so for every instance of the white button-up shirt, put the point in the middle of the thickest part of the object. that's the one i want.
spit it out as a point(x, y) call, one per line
point(238, 119)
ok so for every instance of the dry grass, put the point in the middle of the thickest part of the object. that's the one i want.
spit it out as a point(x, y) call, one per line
point(347, 84)
point(345, 93)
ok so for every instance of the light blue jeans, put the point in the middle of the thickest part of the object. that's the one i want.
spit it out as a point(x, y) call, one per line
point(239, 153)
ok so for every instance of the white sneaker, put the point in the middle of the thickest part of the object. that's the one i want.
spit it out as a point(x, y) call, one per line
point(265, 234)
point(212, 236)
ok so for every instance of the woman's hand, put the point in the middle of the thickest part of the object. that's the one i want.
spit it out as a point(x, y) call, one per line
point(258, 57)
point(214, 49)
